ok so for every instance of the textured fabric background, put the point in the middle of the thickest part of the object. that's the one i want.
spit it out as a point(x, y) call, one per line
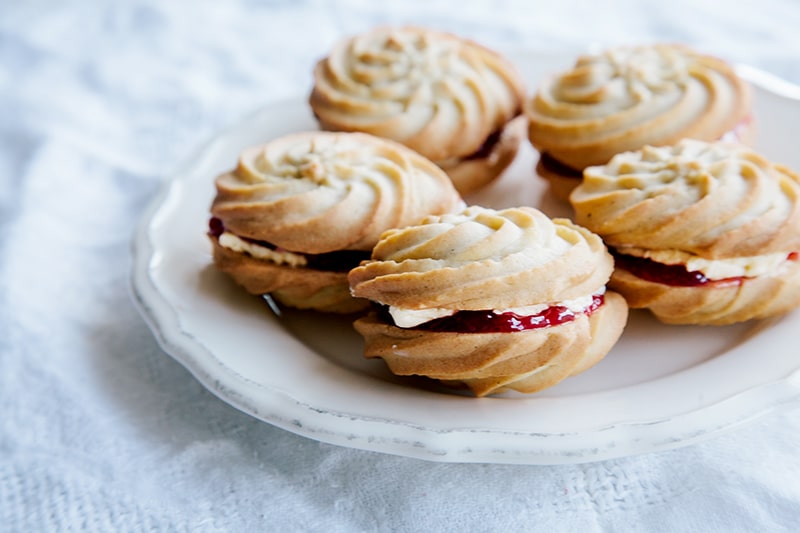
point(100, 430)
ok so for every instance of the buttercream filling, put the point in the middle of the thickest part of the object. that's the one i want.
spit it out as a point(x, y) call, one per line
point(751, 266)
point(673, 267)
point(507, 319)
point(338, 261)
point(279, 257)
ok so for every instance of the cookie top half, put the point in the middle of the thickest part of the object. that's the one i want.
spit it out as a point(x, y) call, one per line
point(714, 200)
point(482, 258)
point(440, 94)
point(319, 192)
point(627, 97)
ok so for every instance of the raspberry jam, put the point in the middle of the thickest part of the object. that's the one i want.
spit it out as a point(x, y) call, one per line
point(487, 146)
point(491, 322)
point(557, 167)
point(338, 261)
point(737, 133)
point(215, 227)
point(673, 275)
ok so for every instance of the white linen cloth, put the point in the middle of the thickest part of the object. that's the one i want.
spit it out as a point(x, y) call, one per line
point(100, 430)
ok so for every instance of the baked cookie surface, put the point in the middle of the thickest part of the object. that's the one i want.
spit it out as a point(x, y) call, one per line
point(298, 212)
point(448, 98)
point(489, 299)
point(704, 233)
point(627, 97)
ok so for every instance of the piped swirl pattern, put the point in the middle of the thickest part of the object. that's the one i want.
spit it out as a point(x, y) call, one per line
point(439, 94)
point(320, 192)
point(714, 200)
point(483, 259)
point(628, 97)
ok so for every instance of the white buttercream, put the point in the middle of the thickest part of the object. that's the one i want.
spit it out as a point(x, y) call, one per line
point(409, 318)
point(232, 242)
point(758, 265)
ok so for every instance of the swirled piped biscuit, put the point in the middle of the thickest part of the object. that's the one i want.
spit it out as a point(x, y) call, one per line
point(628, 97)
point(298, 212)
point(493, 300)
point(448, 98)
point(703, 233)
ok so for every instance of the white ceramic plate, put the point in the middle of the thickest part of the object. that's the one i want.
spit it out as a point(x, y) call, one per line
point(660, 387)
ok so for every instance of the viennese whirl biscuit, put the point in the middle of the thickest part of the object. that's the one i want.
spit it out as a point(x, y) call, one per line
point(446, 97)
point(702, 233)
point(491, 300)
point(627, 97)
point(298, 212)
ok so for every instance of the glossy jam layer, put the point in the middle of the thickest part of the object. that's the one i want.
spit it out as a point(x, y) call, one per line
point(215, 227)
point(737, 134)
point(674, 275)
point(491, 322)
point(557, 167)
point(487, 146)
point(339, 261)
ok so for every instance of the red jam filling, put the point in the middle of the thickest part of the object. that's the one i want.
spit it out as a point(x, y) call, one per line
point(555, 166)
point(735, 135)
point(338, 261)
point(215, 227)
point(674, 275)
point(486, 148)
point(491, 322)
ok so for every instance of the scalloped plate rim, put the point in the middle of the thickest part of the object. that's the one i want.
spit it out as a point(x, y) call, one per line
point(280, 408)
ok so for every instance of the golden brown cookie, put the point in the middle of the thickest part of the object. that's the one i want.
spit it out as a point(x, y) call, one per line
point(298, 212)
point(703, 233)
point(628, 97)
point(491, 300)
point(448, 98)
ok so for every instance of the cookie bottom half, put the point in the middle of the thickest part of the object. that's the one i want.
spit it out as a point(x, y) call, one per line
point(753, 298)
point(470, 174)
point(298, 287)
point(489, 363)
